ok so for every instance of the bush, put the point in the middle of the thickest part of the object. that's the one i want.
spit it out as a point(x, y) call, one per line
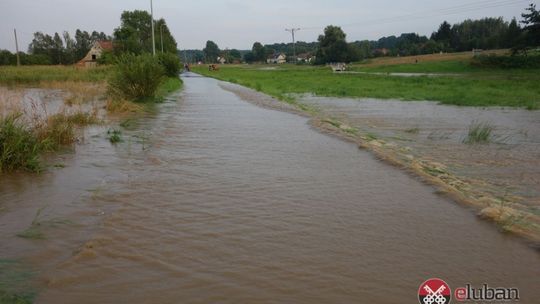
point(19, 147)
point(107, 58)
point(171, 64)
point(507, 62)
point(136, 77)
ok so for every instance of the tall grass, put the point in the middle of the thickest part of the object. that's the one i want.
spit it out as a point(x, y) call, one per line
point(479, 133)
point(19, 147)
point(35, 74)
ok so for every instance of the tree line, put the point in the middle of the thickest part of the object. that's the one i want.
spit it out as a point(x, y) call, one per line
point(332, 46)
point(132, 36)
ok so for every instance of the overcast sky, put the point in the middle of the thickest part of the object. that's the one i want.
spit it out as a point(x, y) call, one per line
point(239, 23)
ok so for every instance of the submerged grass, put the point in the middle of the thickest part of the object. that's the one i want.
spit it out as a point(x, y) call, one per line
point(114, 136)
point(35, 232)
point(479, 133)
point(509, 88)
point(14, 283)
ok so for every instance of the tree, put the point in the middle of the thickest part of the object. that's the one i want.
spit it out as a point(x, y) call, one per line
point(169, 43)
point(135, 33)
point(70, 50)
point(83, 43)
point(259, 52)
point(211, 52)
point(513, 34)
point(443, 35)
point(7, 58)
point(249, 57)
point(235, 55)
point(531, 21)
point(57, 51)
point(432, 47)
point(332, 46)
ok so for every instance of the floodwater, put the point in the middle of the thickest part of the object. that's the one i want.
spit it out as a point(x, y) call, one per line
point(215, 200)
point(510, 164)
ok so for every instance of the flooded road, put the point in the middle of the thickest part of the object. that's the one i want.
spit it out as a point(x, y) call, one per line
point(216, 200)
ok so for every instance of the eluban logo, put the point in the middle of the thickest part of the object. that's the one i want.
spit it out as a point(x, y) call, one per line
point(486, 293)
point(434, 291)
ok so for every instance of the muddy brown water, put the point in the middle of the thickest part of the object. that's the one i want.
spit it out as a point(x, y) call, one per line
point(510, 163)
point(215, 200)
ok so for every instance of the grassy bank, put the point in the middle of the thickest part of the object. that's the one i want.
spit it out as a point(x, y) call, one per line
point(508, 88)
point(168, 86)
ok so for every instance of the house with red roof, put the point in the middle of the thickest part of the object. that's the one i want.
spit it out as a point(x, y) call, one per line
point(97, 50)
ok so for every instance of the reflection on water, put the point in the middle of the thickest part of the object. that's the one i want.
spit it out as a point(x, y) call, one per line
point(232, 203)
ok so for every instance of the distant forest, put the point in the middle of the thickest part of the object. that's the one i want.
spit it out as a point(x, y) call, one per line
point(486, 33)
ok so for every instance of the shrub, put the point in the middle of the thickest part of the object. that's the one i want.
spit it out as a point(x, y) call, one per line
point(171, 64)
point(19, 148)
point(136, 77)
point(507, 62)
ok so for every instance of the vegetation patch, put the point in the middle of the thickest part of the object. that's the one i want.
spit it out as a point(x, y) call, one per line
point(168, 86)
point(114, 136)
point(22, 145)
point(15, 283)
point(143, 78)
point(412, 130)
point(136, 77)
point(35, 232)
point(479, 133)
point(513, 88)
point(507, 62)
point(33, 75)
point(19, 147)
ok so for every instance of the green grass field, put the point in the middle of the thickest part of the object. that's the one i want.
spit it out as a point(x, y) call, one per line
point(11, 75)
point(438, 67)
point(513, 88)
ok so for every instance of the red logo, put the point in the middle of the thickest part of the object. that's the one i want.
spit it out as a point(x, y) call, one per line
point(434, 291)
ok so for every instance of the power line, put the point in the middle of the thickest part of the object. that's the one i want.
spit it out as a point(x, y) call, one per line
point(292, 31)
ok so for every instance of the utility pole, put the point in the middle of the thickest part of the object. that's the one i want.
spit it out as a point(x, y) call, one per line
point(161, 32)
point(17, 48)
point(153, 34)
point(292, 31)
